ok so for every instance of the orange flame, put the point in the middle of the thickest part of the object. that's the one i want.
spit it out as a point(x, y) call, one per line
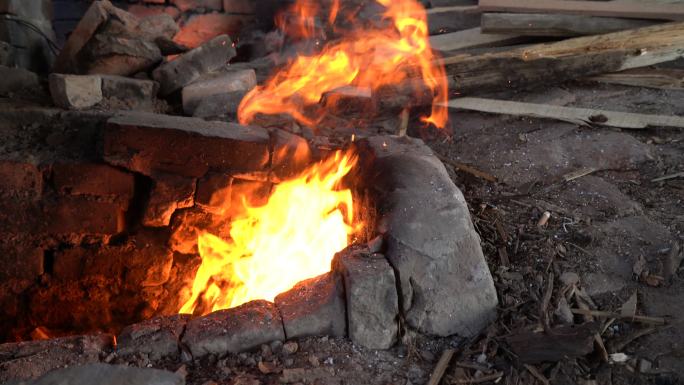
point(366, 57)
point(291, 238)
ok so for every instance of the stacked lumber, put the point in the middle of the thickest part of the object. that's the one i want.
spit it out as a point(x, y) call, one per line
point(523, 44)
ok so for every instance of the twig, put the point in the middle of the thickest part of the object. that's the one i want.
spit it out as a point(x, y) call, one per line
point(441, 366)
point(468, 169)
point(607, 314)
point(601, 347)
point(619, 345)
point(671, 176)
point(544, 314)
point(536, 374)
point(579, 173)
point(490, 377)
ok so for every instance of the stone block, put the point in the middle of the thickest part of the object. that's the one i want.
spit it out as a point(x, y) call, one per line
point(75, 91)
point(196, 5)
point(20, 258)
point(104, 374)
point(20, 179)
point(169, 193)
point(371, 296)
point(148, 143)
point(234, 330)
point(129, 94)
point(93, 179)
point(219, 106)
point(157, 337)
point(430, 242)
point(202, 28)
point(113, 55)
point(191, 65)
point(32, 359)
point(314, 307)
point(216, 83)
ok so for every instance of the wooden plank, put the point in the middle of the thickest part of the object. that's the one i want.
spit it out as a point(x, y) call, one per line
point(665, 79)
point(568, 59)
point(635, 10)
point(469, 38)
point(450, 19)
point(580, 116)
point(538, 24)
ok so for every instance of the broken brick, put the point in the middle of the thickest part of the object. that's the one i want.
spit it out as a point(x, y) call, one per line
point(114, 55)
point(189, 5)
point(20, 178)
point(157, 337)
point(216, 83)
point(94, 179)
point(169, 193)
point(149, 143)
point(201, 28)
point(75, 91)
point(68, 215)
point(20, 258)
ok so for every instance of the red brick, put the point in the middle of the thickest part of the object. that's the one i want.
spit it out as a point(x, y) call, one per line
point(202, 28)
point(142, 11)
point(69, 215)
point(193, 5)
point(94, 179)
point(20, 179)
point(239, 6)
point(150, 143)
point(20, 259)
point(213, 192)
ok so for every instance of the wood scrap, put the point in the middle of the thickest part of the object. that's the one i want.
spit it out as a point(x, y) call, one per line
point(441, 366)
point(565, 60)
point(564, 342)
point(580, 116)
point(666, 79)
point(638, 10)
point(535, 373)
point(634, 318)
point(537, 24)
point(454, 18)
point(468, 169)
point(470, 38)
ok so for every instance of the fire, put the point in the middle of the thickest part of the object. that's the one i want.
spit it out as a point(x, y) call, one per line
point(294, 236)
point(366, 57)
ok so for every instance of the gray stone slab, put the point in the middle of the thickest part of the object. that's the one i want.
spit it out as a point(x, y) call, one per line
point(371, 295)
point(234, 330)
point(157, 337)
point(446, 286)
point(314, 307)
point(103, 374)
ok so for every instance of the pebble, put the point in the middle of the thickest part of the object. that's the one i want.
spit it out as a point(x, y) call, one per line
point(276, 346)
point(290, 347)
point(266, 367)
point(313, 360)
point(266, 351)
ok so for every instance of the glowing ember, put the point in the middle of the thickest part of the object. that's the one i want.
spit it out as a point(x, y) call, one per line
point(366, 57)
point(291, 238)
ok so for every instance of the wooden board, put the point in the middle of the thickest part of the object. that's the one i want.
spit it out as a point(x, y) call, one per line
point(636, 10)
point(469, 38)
point(538, 24)
point(450, 19)
point(568, 59)
point(666, 79)
point(580, 116)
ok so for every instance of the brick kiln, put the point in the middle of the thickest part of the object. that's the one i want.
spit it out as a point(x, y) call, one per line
point(113, 222)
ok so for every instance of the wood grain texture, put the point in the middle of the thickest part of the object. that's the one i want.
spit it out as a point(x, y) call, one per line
point(470, 38)
point(568, 59)
point(579, 116)
point(637, 10)
point(538, 24)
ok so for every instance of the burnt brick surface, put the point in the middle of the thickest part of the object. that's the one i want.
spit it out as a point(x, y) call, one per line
point(169, 193)
point(20, 258)
point(234, 330)
point(189, 147)
point(94, 179)
point(314, 307)
point(22, 179)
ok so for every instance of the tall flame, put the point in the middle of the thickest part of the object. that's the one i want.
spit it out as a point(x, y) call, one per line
point(272, 247)
point(366, 57)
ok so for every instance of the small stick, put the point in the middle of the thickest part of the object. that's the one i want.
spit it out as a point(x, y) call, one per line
point(671, 176)
point(607, 314)
point(441, 366)
point(468, 169)
point(544, 314)
point(536, 374)
point(490, 377)
point(544, 218)
point(579, 173)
